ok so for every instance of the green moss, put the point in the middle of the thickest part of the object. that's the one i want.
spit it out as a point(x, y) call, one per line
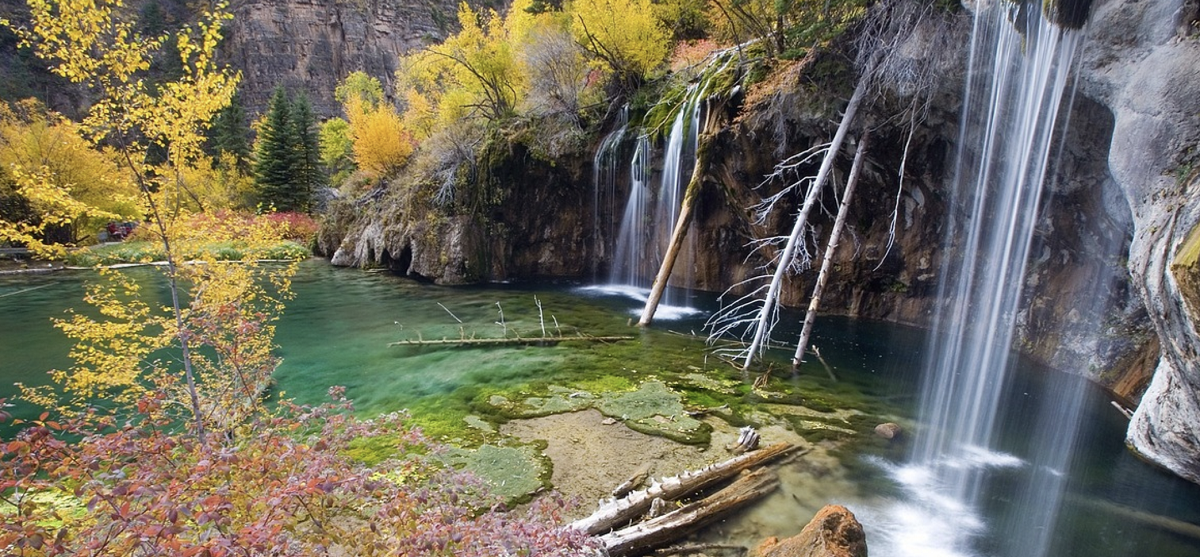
point(513, 472)
point(373, 450)
point(145, 252)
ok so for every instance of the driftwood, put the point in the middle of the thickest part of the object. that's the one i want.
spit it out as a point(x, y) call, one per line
point(471, 342)
point(616, 512)
point(670, 526)
point(635, 481)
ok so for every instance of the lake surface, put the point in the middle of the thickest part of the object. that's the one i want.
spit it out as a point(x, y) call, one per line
point(337, 329)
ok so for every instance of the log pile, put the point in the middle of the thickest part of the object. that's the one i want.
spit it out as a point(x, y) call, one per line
point(614, 522)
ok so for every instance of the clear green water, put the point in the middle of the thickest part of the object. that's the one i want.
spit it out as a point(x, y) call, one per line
point(337, 330)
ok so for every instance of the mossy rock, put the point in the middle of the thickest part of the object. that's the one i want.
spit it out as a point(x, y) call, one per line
point(655, 409)
point(513, 473)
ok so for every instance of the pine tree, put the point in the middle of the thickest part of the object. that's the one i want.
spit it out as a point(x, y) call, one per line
point(230, 134)
point(307, 174)
point(275, 155)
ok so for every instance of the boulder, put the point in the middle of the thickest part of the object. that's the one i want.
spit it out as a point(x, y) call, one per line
point(889, 430)
point(833, 532)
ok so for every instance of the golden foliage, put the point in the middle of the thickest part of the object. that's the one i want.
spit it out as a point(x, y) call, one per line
point(474, 72)
point(626, 34)
point(62, 178)
point(381, 143)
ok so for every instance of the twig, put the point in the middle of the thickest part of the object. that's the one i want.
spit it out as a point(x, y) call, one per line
point(450, 312)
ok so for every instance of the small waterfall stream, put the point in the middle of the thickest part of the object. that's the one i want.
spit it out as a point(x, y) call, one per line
point(650, 213)
point(606, 166)
point(1018, 75)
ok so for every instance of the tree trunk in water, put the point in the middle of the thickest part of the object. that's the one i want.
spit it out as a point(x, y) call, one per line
point(679, 233)
point(830, 249)
point(763, 326)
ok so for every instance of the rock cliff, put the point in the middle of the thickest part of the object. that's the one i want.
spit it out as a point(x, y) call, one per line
point(311, 45)
point(1144, 65)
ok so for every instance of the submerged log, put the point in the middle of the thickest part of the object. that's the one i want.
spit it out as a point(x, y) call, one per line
point(619, 511)
point(537, 341)
point(677, 523)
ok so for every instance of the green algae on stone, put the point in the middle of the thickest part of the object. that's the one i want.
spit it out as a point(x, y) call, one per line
point(513, 473)
point(711, 383)
point(655, 409)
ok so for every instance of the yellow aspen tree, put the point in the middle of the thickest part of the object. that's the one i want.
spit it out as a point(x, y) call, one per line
point(87, 43)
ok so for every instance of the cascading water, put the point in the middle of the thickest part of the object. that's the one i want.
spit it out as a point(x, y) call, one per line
point(629, 261)
point(679, 158)
point(649, 216)
point(1018, 72)
point(605, 168)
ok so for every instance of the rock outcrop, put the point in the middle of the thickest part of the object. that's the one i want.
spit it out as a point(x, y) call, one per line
point(1143, 63)
point(311, 45)
point(833, 532)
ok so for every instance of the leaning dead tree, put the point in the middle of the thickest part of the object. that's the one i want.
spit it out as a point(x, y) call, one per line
point(830, 249)
point(768, 312)
point(754, 315)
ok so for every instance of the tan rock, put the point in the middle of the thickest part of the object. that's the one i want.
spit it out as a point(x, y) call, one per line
point(833, 532)
point(888, 430)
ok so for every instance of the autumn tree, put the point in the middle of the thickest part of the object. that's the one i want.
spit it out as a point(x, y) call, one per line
point(625, 35)
point(59, 188)
point(378, 138)
point(337, 150)
point(473, 73)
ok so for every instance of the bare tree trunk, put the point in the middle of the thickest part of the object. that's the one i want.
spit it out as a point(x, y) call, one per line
point(830, 249)
point(620, 511)
point(762, 328)
point(678, 234)
point(176, 306)
point(673, 525)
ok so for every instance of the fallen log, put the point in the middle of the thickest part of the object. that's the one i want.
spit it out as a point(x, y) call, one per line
point(677, 523)
point(471, 342)
point(615, 512)
point(635, 481)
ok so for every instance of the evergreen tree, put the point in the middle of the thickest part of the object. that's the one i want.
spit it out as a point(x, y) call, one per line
point(275, 155)
point(230, 134)
point(307, 173)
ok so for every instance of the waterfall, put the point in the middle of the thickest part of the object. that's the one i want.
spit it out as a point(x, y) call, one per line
point(650, 215)
point(1018, 73)
point(629, 257)
point(605, 168)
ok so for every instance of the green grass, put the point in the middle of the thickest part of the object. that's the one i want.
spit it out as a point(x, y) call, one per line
point(145, 252)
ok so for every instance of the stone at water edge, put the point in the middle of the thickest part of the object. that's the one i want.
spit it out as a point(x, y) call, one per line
point(889, 430)
point(833, 532)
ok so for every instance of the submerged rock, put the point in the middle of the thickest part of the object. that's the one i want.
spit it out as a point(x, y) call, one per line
point(833, 532)
point(889, 430)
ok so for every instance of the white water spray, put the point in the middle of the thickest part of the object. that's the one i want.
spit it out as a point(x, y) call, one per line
point(1018, 73)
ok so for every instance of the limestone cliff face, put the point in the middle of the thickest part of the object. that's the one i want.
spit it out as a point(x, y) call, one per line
point(1144, 65)
point(311, 45)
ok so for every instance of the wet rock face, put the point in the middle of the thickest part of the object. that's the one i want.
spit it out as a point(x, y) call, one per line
point(1142, 66)
point(833, 532)
point(311, 45)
